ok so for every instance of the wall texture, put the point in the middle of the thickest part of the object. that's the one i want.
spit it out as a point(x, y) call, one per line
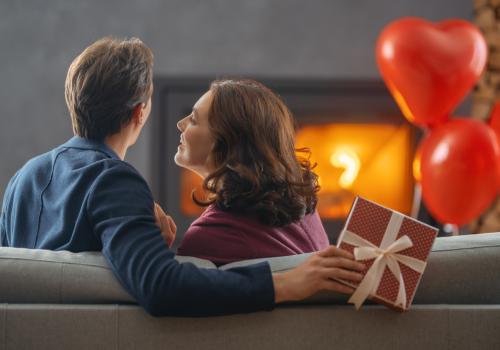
point(276, 38)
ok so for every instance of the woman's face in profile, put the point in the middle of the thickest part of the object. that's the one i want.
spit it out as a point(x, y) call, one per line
point(196, 141)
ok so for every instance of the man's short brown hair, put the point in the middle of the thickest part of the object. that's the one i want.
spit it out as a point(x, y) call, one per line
point(105, 83)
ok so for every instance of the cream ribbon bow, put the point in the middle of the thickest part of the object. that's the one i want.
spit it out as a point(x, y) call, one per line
point(385, 255)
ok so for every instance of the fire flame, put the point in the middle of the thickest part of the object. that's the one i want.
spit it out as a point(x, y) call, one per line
point(349, 160)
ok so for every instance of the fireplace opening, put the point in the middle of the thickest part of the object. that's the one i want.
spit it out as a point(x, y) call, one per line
point(369, 160)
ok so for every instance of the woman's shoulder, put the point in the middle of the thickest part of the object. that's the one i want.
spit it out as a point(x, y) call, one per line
point(217, 236)
point(313, 227)
point(247, 224)
point(217, 224)
point(213, 215)
point(311, 218)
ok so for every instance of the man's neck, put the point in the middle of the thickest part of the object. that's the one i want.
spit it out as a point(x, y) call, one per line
point(117, 143)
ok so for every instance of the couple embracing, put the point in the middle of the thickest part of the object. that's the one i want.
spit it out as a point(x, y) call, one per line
point(261, 198)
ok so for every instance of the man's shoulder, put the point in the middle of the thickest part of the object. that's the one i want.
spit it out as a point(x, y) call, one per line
point(116, 173)
point(67, 166)
point(34, 168)
point(117, 177)
point(38, 161)
point(71, 159)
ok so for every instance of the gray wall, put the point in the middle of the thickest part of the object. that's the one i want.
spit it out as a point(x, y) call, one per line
point(277, 38)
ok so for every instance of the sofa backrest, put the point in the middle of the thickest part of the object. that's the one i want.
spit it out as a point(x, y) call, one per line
point(460, 270)
point(57, 277)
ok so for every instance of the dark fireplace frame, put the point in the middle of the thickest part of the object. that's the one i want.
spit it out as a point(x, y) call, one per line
point(173, 98)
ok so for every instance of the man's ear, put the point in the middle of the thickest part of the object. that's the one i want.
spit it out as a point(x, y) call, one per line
point(138, 114)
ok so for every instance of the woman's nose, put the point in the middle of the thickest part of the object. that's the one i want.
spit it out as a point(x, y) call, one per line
point(180, 124)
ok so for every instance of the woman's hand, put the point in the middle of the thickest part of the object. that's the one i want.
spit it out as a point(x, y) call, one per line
point(167, 225)
point(316, 274)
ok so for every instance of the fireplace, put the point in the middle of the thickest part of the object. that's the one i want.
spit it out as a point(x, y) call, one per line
point(361, 143)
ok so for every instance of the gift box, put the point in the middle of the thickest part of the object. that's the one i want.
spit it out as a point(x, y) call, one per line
point(394, 248)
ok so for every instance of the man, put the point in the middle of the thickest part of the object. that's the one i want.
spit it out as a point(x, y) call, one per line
point(82, 196)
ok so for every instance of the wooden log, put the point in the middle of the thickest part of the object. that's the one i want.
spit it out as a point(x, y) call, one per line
point(480, 110)
point(493, 39)
point(489, 221)
point(486, 92)
point(480, 3)
point(486, 19)
point(493, 79)
point(493, 61)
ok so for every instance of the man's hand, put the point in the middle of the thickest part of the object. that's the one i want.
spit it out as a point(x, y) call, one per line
point(316, 274)
point(167, 225)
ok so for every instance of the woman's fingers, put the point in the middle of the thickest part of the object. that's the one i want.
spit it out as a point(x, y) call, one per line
point(157, 214)
point(173, 230)
point(168, 229)
point(171, 224)
point(166, 223)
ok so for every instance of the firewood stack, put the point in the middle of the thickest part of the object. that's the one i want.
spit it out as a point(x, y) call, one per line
point(487, 91)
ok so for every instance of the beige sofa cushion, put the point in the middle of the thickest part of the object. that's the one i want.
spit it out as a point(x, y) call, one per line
point(44, 276)
point(461, 270)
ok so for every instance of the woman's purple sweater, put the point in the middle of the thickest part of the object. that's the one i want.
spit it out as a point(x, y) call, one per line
point(223, 237)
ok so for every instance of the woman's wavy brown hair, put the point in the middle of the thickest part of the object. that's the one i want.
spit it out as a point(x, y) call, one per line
point(257, 171)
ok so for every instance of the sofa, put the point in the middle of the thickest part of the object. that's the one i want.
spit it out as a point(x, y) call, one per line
point(63, 300)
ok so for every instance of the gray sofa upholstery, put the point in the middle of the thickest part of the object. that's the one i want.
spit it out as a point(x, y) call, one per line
point(63, 300)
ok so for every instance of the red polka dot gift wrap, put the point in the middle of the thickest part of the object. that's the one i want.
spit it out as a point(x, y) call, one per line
point(394, 248)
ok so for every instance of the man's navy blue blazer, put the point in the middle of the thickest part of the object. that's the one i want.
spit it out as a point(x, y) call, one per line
point(82, 197)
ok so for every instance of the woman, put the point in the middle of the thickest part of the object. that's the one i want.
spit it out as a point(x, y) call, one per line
point(261, 198)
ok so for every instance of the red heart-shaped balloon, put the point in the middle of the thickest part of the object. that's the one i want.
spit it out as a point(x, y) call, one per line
point(429, 68)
